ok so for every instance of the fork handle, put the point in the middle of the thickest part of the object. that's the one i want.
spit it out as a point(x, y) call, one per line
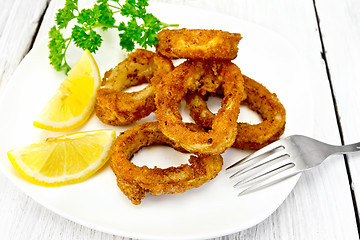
point(355, 147)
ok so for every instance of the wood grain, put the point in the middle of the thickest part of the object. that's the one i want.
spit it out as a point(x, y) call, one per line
point(340, 33)
point(16, 39)
point(321, 205)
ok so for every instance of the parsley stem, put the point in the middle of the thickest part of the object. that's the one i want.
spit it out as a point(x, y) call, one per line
point(139, 27)
point(66, 65)
point(165, 25)
point(104, 25)
point(115, 6)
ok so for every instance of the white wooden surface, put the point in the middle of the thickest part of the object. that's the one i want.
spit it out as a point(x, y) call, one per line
point(321, 206)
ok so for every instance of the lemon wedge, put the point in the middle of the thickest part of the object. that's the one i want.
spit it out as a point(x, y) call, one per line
point(63, 160)
point(73, 102)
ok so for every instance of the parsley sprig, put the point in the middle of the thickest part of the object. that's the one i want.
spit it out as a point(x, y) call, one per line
point(141, 27)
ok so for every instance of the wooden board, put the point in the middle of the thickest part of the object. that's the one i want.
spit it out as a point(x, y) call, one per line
point(321, 205)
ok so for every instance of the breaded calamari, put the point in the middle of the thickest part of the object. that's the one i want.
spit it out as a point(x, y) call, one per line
point(198, 44)
point(114, 106)
point(187, 77)
point(136, 181)
point(260, 100)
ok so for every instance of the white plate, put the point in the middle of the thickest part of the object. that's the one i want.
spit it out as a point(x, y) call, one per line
point(209, 211)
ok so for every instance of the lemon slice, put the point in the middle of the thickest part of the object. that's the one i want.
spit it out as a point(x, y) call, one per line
point(66, 159)
point(74, 100)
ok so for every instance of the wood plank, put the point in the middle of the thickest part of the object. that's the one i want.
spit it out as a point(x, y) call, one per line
point(296, 21)
point(4, 14)
point(48, 20)
point(23, 218)
point(341, 36)
point(301, 216)
point(20, 25)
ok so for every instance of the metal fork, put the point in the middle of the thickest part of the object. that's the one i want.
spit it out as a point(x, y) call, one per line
point(283, 159)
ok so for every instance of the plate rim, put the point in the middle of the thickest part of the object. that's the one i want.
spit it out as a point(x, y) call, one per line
point(11, 82)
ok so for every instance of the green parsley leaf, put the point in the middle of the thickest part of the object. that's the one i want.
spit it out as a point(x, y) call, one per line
point(129, 9)
point(86, 17)
point(104, 15)
point(57, 47)
point(66, 14)
point(140, 29)
point(84, 39)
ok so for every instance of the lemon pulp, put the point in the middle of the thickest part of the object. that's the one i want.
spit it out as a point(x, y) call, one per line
point(73, 102)
point(65, 159)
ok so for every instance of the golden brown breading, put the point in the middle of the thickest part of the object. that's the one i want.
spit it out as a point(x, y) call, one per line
point(187, 77)
point(198, 44)
point(115, 107)
point(135, 181)
point(260, 100)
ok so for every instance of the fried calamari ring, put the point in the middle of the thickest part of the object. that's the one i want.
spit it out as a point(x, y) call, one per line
point(135, 181)
point(187, 77)
point(198, 44)
point(115, 107)
point(260, 100)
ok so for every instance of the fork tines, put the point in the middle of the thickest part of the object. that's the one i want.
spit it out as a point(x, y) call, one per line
point(259, 167)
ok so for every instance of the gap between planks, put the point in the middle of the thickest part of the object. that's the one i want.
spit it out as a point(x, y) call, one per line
point(323, 55)
point(38, 26)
